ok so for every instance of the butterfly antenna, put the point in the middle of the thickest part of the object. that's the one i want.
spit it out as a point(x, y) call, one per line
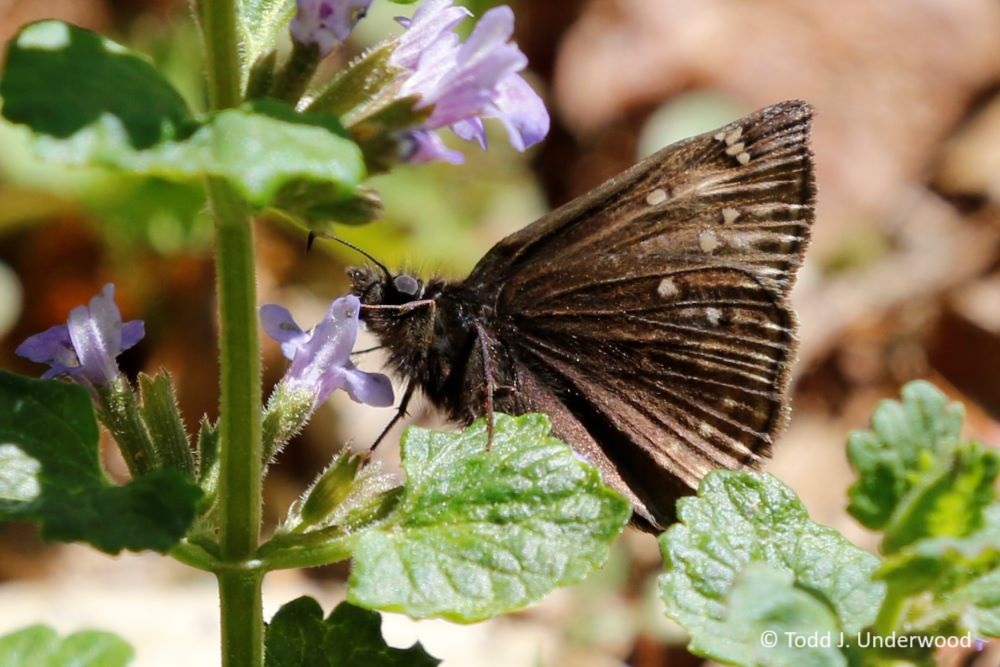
point(382, 267)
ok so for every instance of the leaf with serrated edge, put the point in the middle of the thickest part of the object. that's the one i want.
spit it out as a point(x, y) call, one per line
point(52, 426)
point(481, 532)
point(298, 636)
point(739, 518)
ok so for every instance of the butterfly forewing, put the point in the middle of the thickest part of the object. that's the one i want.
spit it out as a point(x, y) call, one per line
point(653, 312)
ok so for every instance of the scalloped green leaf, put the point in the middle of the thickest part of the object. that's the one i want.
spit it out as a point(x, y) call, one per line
point(298, 636)
point(40, 645)
point(905, 439)
point(479, 532)
point(59, 79)
point(49, 431)
point(916, 479)
point(739, 518)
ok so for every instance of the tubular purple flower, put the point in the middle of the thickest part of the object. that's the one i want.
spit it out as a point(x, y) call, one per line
point(326, 23)
point(85, 348)
point(466, 82)
point(321, 358)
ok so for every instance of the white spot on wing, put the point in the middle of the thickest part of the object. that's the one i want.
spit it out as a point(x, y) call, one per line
point(738, 240)
point(714, 315)
point(733, 136)
point(657, 196)
point(708, 241)
point(667, 288)
point(743, 158)
point(735, 148)
point(729, 215)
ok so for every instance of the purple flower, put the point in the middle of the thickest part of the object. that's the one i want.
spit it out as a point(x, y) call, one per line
point(321, 358)
point(466, 82)
point(326, 23)
point(86, 346)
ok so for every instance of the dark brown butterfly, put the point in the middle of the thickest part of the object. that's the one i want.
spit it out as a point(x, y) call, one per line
point(649, 318)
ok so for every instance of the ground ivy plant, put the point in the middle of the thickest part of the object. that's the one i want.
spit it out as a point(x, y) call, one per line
point(475, 530)
point(755, 582)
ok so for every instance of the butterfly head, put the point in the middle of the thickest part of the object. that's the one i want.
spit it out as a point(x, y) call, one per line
point(376, 287)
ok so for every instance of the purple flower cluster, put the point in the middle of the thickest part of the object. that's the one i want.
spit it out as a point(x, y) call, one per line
point(461, 83)
point(85, 348)
point(321, 358)
point(466, 82)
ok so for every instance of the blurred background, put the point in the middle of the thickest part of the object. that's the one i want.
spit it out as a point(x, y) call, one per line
point(902, 279)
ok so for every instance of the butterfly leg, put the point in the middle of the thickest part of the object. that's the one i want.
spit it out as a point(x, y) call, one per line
point(400, 413)
point(484, 348)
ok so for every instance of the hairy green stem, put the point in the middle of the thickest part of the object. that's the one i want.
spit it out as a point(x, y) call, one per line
point(239, 410)
point(241, 599)
point(239, 427)
point(222, 58)
point(239, 423)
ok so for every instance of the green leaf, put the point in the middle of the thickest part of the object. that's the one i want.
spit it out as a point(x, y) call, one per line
point(478, 531)
point(905, 439)
point(106, 106)
point(60, 79)
point(915, 478)
point(961, 576)
point(260, 23)
point(49, 432)
point(766, 600)
point(948, 502)
point(257, 153)
point(739, 518)
point(40, 646)
point(297, 636)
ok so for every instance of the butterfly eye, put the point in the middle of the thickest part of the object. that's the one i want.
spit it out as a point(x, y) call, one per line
point(407, 285)
point(358, 13)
